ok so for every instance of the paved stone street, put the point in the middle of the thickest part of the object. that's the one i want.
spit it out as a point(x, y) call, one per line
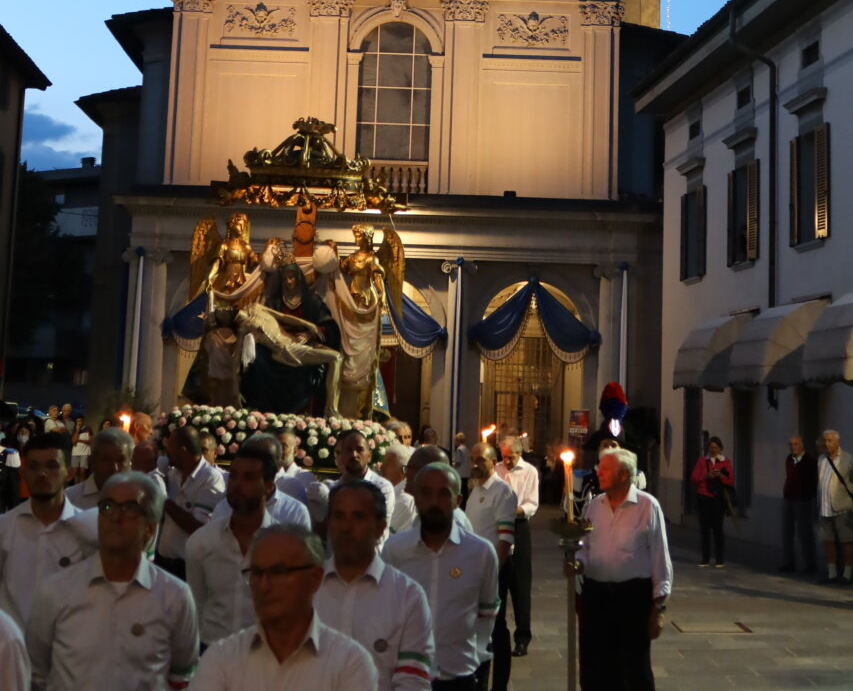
point(742, 627)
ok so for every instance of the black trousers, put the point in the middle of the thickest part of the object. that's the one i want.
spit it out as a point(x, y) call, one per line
point(614, 644)
point(501, 647)
point(520, 581)
point(711, 515)
point(468, 683)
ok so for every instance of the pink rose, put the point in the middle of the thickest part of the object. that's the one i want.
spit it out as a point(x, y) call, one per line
point(252, 423)
point(371, 444)
point(334, 424)
point(308, 462)
point(234, 448)
point(220, 450)
point(264, 424)
point(300, 454)
point(220, 431)
point(332, 441)
point(182, 422)
point(300, 425)
point(231, 424)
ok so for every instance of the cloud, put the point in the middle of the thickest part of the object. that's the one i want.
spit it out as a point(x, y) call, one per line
point(40, 128)
point(43, 157)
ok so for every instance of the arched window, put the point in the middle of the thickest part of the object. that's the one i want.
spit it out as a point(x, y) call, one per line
point(394, 94)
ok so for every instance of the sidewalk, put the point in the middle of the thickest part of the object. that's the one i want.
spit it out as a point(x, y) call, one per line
point(732, 628)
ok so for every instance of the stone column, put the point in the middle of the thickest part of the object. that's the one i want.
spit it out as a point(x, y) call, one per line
point(328, 76)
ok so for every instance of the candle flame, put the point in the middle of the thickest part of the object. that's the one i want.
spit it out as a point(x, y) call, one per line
point(124, 418)
point(486, 433)
point(568, 457)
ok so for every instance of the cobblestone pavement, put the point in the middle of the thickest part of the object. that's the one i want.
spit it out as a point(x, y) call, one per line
point(742, 627)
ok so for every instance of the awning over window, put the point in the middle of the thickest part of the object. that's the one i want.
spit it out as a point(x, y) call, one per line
point(703, 359)
point(828, 355)
point(769, 351)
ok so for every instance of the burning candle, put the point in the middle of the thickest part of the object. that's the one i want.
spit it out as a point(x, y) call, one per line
point(568, 458)
point(486, 433)
point(124, 418)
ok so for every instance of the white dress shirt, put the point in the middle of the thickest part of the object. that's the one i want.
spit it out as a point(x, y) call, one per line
point(31, 551)
point(327, 660)
point(282, 508)
point(387, 612)
point(524, 480)
point(461, 584)
point(14, 661)
point(404, 509)
point(293, 481)
point(462, 461)
point(627, 543)
point(89, 634)
point(491, 508)
point(198, 495)
point(214, 573)
point(84, 495)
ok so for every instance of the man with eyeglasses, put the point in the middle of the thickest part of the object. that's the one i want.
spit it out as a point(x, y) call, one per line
point(115, 621)
point(38, 538)
point(217, 553)
point(363, 597)
point(289, 647)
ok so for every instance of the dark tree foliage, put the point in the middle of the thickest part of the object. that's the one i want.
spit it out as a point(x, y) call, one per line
point(38, 262)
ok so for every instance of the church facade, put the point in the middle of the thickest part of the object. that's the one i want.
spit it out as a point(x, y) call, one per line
point(508, 126)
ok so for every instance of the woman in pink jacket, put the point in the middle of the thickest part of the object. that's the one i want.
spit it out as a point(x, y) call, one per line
point(710, 474)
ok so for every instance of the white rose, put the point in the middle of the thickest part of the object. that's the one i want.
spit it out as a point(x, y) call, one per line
point(226, 438)
point(323, 453)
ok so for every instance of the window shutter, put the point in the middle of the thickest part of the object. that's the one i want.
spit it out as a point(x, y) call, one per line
point(732, 222)
point(685, 225)
point(794, 193)
point(822, 181)
point(752, 211)
point(701, 223)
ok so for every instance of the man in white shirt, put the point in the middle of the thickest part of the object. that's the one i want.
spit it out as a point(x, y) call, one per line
point(361, 596)
point(289, 647)
point(492, 509)
point(195, 488)
point(462, 463)
point(37, 538)
point(282, 507)
point(112, 449)
point(217, 553)
point(394, 470)
point(10, 487)
point(53, 423)
point(627, 580)
point(115, 621)
point(290, 479)
point(836, 505)
point(524, 480)
point(420, 458)
point(459, 572)
point(15, 671)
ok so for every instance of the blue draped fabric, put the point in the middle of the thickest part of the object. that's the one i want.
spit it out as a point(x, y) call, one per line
point(187, 324)
point(498, 334)
point(417, 332)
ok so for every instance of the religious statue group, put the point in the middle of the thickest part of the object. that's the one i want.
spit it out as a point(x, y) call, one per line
point(296, 328)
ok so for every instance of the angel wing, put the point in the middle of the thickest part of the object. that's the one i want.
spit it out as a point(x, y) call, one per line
point(206, 242)
point(393, 259)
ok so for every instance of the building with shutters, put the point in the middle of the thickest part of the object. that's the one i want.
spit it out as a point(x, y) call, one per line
point(757, 288)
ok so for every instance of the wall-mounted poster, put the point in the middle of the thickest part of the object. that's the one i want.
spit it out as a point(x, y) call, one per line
point(578, 423)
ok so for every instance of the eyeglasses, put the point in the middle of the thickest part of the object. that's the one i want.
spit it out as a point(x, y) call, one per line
point(128, 509)
point(276, 573)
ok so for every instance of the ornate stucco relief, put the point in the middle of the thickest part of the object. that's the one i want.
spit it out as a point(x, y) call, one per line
point(194, 5)
point(533, 30)
point(330, 8)
point(398, 7)
point(465, 10)
point(602, 13)
point(261, 20)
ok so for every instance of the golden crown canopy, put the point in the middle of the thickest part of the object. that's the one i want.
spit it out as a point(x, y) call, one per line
point(306, 169)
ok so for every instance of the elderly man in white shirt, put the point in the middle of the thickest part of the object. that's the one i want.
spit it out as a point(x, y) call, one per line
point(361, 596)
point(217, 553)
point(15, 670)
point(459, 572)
point(37, 538)
point(115, 621)
point(491, 507)
point(290, 647)
point(112, 450)
point(524, 480)
point(282, 508)
point(627, 579)
point(194, 489)
point(290, 478)
point(394, 470)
